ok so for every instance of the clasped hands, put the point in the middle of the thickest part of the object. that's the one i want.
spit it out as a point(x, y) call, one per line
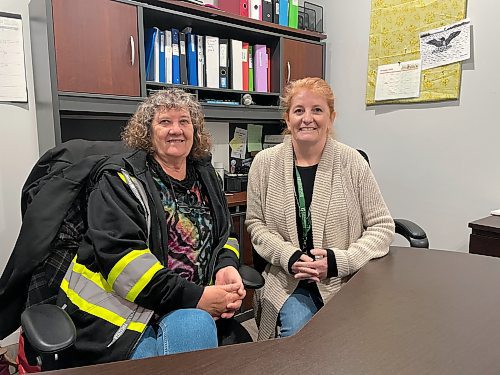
point(223, 299)
point(306, 268)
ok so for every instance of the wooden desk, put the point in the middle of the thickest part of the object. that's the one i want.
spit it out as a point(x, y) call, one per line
point(485, 236)
point(414, 311)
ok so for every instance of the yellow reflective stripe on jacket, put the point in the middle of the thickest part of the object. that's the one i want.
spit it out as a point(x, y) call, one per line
point(99, 311)
point(136, 270)
point(95, 277)
point(122, 263)
point(233, 245)
point(122, 177)
point(143, 281)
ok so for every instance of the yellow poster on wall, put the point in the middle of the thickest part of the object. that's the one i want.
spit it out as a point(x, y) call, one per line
point(395, 27)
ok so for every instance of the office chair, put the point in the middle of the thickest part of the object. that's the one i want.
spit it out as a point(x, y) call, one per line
point(415, 235)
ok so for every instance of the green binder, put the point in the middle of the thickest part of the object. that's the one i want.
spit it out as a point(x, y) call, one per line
point(250, 68)
point(293, 13)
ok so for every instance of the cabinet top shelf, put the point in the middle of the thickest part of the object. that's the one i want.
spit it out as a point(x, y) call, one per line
point(235, 19)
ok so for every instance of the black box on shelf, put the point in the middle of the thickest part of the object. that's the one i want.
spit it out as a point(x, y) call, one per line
point(234, 183)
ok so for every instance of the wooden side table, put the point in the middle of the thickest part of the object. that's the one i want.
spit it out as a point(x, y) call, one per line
point(485, 236)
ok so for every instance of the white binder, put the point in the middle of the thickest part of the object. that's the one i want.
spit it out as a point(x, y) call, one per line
point(168, 56)
point(236, 64)
point(255, 9)
point(212, 61)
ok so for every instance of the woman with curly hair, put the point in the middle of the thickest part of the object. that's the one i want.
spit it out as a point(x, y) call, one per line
point(158, 266)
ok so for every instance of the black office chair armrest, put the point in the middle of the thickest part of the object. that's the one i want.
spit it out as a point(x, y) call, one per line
point(252, 279)
point(412, 232)
point(48, 328)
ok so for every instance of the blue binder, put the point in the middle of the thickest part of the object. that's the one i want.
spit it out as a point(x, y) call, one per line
point(192, 58)
point(176, 71)
point(283, 17)
point(162, 57)
point(149, 47)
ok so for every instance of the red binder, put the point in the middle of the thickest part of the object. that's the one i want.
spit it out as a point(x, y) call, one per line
point(239, 7)
point(245, 58)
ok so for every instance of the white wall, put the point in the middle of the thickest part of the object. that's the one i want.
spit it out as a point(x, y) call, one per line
point(437, 164)
point(18, 147)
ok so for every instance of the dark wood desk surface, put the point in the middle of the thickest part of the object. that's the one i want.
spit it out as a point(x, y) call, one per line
point(488, 224)
point(414, 311)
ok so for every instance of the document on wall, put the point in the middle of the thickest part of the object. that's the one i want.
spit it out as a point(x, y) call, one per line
point(254, 137)
point(445, 45)
point(12, 69)
point(238, 144)
point(398, 81)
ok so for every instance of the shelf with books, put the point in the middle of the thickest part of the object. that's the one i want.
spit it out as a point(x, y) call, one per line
point(90, 57)
point(185, 49)
point(236, 20)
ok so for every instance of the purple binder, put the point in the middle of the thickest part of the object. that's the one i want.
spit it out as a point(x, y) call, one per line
point(260, 68)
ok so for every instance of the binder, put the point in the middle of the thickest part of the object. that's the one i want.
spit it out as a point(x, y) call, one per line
point(183, 58)
point(224, 63)
point(267, 10)
point(244, 63)
point(283, 15)
point(243, 8)
point(161, 60)
point(268, 53)
point(176, 73)
point(151, 36)
point(168, 56)
point(212, 61)
point(255, 11)
point(192, 57)
point(201, 60)
point(260, 67)
point(293, 13)
point(156, 57)
point(239, 7)
point(250, 69)
point(276, 11)
point(236, 64)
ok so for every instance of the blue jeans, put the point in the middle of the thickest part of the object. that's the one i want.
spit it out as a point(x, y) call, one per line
point(179, 331)
point(298, 309)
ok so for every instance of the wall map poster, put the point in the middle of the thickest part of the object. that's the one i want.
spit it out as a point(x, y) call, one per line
point(395, 28)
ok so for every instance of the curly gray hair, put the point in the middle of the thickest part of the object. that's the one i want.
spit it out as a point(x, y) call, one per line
point(137, 132)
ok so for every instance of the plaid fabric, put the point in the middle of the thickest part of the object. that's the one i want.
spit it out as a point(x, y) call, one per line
point(47, 277)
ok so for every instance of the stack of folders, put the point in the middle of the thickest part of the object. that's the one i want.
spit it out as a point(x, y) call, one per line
point(282, 12)
point(176, 57)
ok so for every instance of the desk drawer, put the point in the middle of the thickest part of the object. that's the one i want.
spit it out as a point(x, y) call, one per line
point(484, 245)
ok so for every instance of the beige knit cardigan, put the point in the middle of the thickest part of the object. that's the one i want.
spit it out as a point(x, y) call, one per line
point(348, 216)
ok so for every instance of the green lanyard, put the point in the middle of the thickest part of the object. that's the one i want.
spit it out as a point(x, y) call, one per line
point(305, 217)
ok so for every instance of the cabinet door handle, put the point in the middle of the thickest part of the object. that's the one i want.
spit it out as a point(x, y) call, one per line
point(289, 71)
point(132, 47)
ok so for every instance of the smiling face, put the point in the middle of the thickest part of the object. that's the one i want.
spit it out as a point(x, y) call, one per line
point(172, 135)
point(309, 118)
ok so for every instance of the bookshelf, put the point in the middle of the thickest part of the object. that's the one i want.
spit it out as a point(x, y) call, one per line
point(89, 65)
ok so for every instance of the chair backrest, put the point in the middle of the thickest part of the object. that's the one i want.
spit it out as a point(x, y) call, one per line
point(364, 155)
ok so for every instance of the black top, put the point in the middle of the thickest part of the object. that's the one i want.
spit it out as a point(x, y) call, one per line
point(307, 175)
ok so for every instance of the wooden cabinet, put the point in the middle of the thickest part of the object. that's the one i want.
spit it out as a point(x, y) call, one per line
point(89, 63)
point(96, 47)
point(301, 59)
point(485, 236)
